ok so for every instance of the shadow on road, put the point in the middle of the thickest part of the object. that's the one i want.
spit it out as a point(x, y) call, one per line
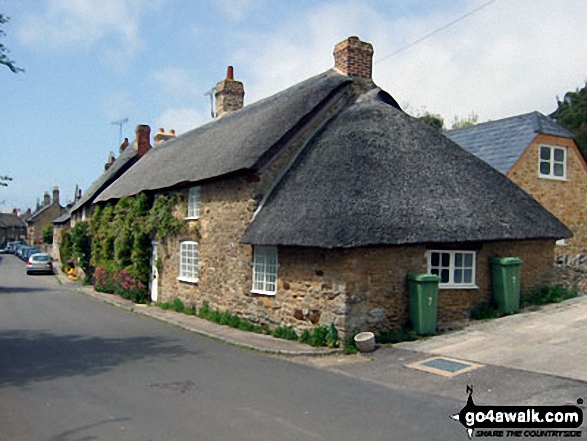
point(39, 355)
point(21, 289)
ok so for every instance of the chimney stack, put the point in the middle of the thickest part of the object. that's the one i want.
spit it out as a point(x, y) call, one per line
point(229, 94)
point(162, 136)
point(46, 199)
point(354, 58)
point(124, 144)
point(56, 195)
point(143, 134)
point(111, 160)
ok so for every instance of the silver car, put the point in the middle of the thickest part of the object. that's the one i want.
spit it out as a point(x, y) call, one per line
point(39, 263)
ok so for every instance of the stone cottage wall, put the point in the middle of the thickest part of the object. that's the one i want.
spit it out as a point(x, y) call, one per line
point(565, 199)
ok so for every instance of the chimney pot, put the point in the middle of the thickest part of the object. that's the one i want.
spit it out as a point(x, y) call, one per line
point(124, 145)
point(56, 195)
point(161, 136)
point(143, 133)
point(229, 94)
point(354, 57)
point(46, 199)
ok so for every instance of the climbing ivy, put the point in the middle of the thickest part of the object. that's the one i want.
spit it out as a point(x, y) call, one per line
point(121, 241)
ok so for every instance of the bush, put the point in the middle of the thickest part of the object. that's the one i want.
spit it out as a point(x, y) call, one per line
point(204, 311)
point(47, 234)
point(483, 311)
point(285, 332)
point(332, 336)
point(398, 336)
point(349, 346)
point(548, 294)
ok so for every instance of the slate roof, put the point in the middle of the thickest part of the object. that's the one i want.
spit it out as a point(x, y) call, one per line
point(376, 176)
point(500, 143)
point(239, 141)
point(127, 158)
point(36, 214)
point(8, 220)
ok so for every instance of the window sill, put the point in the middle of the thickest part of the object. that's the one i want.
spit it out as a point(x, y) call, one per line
point(264, 293)
point(192, 218)
point(447, 286)
point(186, 280)
point(552, 178)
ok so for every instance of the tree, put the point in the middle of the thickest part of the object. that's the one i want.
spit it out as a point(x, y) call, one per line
point(10, 64)
point(433, 119)
point(572, 114)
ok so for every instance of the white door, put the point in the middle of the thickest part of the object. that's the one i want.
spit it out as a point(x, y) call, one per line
point(154, 283)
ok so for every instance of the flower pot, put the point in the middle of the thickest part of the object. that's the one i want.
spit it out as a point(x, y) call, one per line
point(365, 341)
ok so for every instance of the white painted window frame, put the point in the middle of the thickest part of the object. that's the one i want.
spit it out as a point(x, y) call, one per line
point(265, 267)
point(193, 210)
point(187, 272)
point(552, 162)
point(451, 268)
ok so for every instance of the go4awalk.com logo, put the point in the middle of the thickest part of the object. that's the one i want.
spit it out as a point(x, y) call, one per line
point(520, 421)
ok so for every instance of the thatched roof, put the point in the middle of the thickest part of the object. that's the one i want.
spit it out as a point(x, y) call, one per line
point(127, 158)
point(239, 141)
point(376, 176)
point(9, 220)
point(500, 143)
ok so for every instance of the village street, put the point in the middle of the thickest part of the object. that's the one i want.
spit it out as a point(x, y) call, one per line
point(74, 368)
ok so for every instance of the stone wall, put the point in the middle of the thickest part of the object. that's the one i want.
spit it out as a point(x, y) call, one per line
point(35, 228)
point(570, 272)
point(563, 198)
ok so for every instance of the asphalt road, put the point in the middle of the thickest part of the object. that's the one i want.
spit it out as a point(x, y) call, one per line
point(73, 368)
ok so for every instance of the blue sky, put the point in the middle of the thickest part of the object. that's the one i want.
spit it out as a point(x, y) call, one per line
point(91, 62)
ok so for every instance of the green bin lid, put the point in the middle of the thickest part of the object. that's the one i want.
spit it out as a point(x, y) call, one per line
point(423, 277)
point(506, 261)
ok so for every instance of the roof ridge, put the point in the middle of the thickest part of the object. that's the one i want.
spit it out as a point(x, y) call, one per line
point(494, 121)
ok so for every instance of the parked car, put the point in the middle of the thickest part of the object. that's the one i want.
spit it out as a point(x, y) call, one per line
point(14, 246)
point(26, 252)
point(39, 263)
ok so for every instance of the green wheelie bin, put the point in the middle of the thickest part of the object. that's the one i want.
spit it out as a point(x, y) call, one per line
point(423, 289)
point(506, 277)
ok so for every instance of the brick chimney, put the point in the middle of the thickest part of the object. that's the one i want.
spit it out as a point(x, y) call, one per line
point(229, 94)
point(56, 195)
point(162, 136)
point(143, 134)
point(111, 159)
point(354, 57)
point(46, 199)
point(124, 144)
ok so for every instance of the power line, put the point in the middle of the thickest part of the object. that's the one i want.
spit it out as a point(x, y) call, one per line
point(442, 28)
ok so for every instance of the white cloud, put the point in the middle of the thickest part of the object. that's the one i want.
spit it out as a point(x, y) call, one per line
point(182, 119)
point(508, 58)
point(83, 23)
point(237, 10)
point(176, 83)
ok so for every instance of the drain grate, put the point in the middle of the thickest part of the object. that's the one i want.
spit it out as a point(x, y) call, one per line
point(447, 367)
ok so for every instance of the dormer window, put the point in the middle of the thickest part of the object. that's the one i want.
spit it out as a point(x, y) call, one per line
point(193, 203)
point(553, 162)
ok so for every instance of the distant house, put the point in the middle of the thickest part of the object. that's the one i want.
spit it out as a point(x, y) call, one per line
point(541, 157)
point(12, 228)
point(43, 216)
point(313, 205)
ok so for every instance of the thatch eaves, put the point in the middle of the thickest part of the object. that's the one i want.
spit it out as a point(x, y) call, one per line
point(376, 176)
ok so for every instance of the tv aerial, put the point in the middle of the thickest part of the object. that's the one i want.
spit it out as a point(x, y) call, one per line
point(120, 123)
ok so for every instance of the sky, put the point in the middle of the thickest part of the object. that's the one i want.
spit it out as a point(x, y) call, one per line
point(90, 63)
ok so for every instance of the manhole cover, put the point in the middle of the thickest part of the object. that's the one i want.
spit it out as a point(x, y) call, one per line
point(176, 386)
point(447, 367)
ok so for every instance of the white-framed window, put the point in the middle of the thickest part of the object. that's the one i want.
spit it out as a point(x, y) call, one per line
point(456, 269)
point(193, 203)
point(265, 270)
point(188, 261)
point(552, 162)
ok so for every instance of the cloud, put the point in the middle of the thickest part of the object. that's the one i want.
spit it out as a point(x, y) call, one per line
point(508, 58)
point(182, 119)
point(237, 10)
point(83, 23)
point(176, 83)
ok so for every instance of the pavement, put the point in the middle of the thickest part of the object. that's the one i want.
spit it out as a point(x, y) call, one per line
point(544, 340)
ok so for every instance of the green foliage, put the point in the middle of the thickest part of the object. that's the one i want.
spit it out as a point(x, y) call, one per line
point(548, 294)
point(483, 311)
point(47, 234)
point(81, 244)
point(65, 249)
point(160, 220)
point(177, 305)
point(468, 121)
point(433, 120)
point(349, 346)
point(318, 336)
point(332, 336)
point(572, 114)
point(398, 336)
point(204, 311)
point(4, 60)
point(285, 332)
point(306, 337)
